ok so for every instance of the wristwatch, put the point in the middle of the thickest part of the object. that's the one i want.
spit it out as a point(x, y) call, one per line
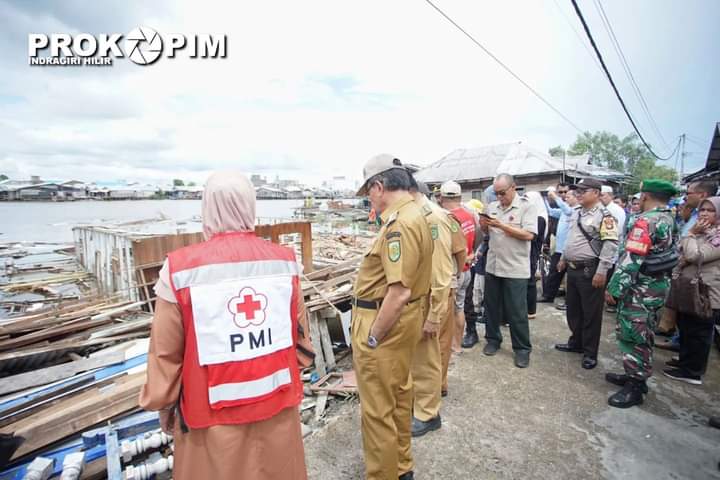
point(372, 341)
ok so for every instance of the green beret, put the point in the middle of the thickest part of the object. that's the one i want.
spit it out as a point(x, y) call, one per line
point(658, 186)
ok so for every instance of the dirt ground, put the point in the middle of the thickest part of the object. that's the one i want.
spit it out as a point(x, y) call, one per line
point(550, 420)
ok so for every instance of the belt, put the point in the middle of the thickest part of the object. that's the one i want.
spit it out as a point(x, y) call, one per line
point(374, 304)
point(583, 264)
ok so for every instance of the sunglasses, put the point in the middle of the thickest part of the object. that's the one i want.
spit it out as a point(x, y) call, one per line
point(707, 209)
point(502, 193)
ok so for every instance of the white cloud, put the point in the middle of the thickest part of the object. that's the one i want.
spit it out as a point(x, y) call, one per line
point(309, 90)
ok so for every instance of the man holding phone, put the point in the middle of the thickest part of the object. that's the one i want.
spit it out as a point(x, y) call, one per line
point(511, 222)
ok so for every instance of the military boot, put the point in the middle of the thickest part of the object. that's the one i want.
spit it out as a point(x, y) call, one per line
point(631, 394)
point(471, 336)
point(621, 379)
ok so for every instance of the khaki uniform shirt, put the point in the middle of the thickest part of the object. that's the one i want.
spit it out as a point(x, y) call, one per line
point(448, 240)
point(603, 228)
point(509, 257)
point(402, 252)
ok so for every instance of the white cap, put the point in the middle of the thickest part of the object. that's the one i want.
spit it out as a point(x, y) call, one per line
point(450, 189)
point(606, 189)
point(378, 164)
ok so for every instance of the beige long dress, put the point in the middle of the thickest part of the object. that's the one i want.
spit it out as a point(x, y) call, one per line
point(271, 449)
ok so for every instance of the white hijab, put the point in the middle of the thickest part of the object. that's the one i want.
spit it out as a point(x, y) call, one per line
point(228, 204)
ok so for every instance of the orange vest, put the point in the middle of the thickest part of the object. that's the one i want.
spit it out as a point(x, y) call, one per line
point(238, 297)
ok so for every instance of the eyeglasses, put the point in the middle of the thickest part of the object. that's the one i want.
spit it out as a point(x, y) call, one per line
point(706, 209)
point(502, 193)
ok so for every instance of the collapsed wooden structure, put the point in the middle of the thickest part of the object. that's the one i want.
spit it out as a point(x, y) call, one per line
point(71, 362)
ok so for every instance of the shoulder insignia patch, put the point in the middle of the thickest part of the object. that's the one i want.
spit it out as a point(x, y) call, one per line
point(434, 231)
point(426, 210)
point(608, 229)
point(394, 250)
point(392, 235)
point(392, 218)
point(454, 227)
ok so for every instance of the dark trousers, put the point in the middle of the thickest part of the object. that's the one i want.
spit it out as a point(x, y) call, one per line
point(506, 299)
point(532, 296)
point(584, 310)
point(554, 278)
point(695, 341)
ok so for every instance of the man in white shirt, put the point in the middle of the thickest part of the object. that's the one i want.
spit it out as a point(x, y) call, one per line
point(606, 197)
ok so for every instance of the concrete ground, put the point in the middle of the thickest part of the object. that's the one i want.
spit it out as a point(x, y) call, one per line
point(550, 420)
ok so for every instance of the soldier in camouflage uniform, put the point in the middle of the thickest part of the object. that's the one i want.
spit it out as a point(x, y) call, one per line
point(638, 286)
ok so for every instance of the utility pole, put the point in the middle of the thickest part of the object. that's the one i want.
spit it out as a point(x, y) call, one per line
point(682, 156)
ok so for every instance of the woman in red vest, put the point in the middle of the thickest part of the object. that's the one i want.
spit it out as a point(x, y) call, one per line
point(223, 361)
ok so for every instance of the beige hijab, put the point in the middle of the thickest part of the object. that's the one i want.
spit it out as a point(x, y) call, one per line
point(228, 204)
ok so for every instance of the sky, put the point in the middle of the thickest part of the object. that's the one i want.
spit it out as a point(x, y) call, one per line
point(311, 90)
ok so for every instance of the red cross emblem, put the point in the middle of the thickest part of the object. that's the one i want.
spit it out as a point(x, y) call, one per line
point(248, 308)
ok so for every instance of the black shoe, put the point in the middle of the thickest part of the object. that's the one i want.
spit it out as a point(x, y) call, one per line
point(611, 309)
point(561, 306)
point(420, 428)
point(470, 338)
point(443, 393)
point(522, 359)
point(678, 374)
point(546, 300)
point(630, 395)
point(491, 349)
point(621, 379)
point(589, 363)
point(663, 333)
point(674, 362)
point(407, 476)
point(714, 422)
point(566, 347)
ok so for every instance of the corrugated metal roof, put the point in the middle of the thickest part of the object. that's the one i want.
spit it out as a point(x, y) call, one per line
point(712, 165)
point(482, 163)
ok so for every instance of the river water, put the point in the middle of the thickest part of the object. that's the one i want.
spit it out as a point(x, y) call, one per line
point(53, 221)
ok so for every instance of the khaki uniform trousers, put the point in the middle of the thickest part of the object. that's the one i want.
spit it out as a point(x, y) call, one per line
point(447, 330)
point(385, 390)
point(427, 376)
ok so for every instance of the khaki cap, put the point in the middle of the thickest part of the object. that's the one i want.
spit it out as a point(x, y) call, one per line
point(450, 189)
point(378, 164)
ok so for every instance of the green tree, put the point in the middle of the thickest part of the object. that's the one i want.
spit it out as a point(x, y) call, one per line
point(191, 184)
point(627, 155)
point(556, 151)
point(178, 183)
point(3, 177)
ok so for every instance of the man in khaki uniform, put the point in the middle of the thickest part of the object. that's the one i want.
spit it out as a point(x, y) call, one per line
point(389, 305)
point(427, 365)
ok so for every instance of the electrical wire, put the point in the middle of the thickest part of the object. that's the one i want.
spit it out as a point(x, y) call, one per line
point(507, 69)
point(579, 37)
point(628, 72)
point(615, 89)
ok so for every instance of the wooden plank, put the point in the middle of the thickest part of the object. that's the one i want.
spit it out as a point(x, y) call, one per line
point(68, 327)
point(325, 338)
point(76, 414)
point(47, 375)
point(317, 345)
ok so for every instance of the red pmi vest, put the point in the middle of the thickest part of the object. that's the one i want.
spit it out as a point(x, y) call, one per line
point(467, 223)
point(238, 297)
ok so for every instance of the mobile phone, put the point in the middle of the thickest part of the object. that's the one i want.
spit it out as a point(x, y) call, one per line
point(486, 216)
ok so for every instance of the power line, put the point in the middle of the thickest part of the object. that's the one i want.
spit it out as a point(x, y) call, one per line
point(628, 72)
point(579, 37)
point(612, 83)
point(507, 69)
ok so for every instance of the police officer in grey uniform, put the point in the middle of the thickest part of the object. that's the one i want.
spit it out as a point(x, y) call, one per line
point(589, 253)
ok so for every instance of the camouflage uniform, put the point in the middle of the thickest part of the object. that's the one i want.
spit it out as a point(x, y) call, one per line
point(640, 296)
